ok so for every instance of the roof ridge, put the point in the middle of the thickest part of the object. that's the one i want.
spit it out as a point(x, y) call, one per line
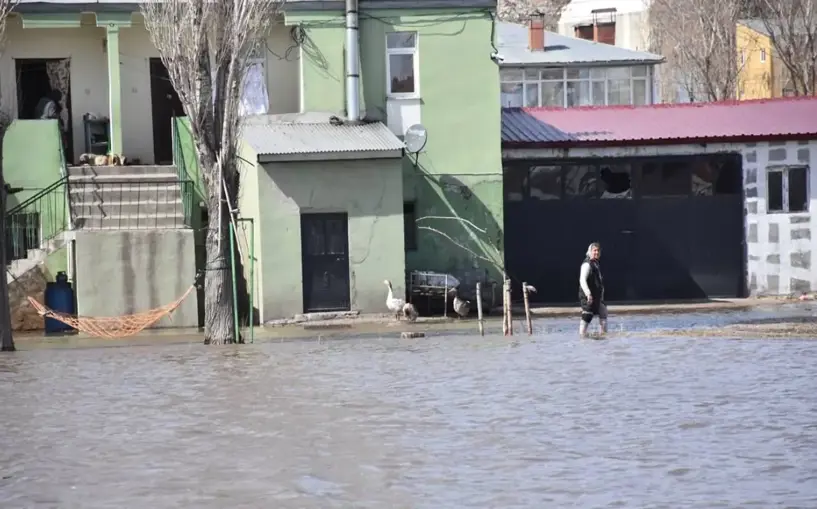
point(656, 106)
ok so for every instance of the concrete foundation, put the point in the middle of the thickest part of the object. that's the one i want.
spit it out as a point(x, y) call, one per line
point(127, 272)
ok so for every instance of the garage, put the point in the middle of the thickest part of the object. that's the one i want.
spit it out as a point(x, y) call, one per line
point(671, 227)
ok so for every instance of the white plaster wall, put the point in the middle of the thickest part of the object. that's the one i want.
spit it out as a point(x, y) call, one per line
point(780, 247)
point(85, 47)
point(632, 27)
point(775, 243)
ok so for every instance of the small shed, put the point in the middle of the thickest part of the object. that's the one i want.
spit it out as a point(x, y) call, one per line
point(689, 201)
point(328, 198)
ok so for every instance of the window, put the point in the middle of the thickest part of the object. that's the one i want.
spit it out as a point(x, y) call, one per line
point(409, 226)
point(762, 55)
point(787, 189)
point(615, 181)
point(581, 181)
point(716, 176)
point(401, 64)
point(569, 87)
point(254, 96)
point(667, 178)
point(545, 182)
point(515, 179)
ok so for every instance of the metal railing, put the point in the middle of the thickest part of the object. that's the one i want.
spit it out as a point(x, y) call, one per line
point(37, 220)
point(131, 205)
point(181, 166)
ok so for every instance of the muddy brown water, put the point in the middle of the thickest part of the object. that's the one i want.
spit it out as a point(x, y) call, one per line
point(449, 421)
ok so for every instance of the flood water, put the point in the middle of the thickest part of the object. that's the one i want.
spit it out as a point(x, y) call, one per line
point(445, 422)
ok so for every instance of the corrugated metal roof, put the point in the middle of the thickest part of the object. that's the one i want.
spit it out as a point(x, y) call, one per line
point(282, 138)
point(512, 43)
point(794, 117)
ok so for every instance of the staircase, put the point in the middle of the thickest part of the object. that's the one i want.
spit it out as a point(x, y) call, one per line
point(128, 198)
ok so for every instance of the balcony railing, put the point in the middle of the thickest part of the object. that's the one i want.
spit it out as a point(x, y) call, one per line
point(130, 205)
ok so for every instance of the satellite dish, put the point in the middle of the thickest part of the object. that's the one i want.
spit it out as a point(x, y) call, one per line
point(415, 138)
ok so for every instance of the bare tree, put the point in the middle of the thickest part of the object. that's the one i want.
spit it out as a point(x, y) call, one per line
point(205, 45)
point(697, 37)
point(518, 11)
point(6, 338)
point(792, 29)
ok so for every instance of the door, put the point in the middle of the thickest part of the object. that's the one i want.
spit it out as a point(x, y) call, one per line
point(165, 105)
point(325, 262)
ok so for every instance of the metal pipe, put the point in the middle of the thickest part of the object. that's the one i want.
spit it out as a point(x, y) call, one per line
point(352, 62)
point(252, 274)
point(235, 284)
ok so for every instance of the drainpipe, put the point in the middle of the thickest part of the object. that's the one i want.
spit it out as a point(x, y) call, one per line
point(352, 62)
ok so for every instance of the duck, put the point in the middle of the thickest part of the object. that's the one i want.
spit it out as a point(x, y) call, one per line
point(461, 306)
point(399, 306)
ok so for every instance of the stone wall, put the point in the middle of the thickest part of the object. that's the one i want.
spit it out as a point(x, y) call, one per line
point(30, 284)
point(780, 246)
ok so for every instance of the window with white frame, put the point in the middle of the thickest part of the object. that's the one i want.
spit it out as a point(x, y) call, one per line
point(254, 96)
point(787, 188)
point(569, 87)
point(401, 64)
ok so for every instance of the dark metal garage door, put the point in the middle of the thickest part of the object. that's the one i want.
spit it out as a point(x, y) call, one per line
point(670, 228)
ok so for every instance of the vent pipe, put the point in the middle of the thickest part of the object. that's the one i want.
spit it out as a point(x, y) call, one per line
point(352, 62)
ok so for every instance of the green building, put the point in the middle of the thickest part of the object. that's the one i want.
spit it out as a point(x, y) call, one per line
point(338, 205)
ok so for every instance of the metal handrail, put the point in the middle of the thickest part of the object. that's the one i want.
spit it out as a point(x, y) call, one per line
point(38, 196)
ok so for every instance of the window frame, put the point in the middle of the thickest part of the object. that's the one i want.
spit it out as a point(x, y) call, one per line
point(784, 169)
point(762, 55)
point(588, 75)
point(415, 54)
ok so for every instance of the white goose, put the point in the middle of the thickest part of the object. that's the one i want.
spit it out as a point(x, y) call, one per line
point(398, 306)
point(461, 306)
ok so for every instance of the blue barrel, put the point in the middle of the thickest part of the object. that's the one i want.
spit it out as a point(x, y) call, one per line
point(59, 296)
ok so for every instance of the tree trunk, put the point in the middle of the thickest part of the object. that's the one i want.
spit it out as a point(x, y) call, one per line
point(219, 325)
point(6, 339)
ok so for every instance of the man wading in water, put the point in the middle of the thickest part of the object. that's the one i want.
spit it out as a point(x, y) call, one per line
point(591, 291)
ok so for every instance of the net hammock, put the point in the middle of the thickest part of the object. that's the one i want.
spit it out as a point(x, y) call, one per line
point(112, 327)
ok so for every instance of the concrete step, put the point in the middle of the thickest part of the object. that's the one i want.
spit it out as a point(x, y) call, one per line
point(129, 222)
point(101, 208)
point(125, 192)
point(97, 171)
point(121, 178)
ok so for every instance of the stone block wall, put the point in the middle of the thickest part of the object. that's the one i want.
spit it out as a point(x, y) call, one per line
point(29, 284)
point(780, 246)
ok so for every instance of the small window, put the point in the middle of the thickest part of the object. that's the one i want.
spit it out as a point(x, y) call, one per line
point(545, 182)
point(762, 55)
point(401, 63)
point(663, 179)
point(787, 189)
point(409, 226)
point(581, 181)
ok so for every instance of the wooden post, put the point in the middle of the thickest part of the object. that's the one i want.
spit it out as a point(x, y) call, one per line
point(510, 309)
point(479, 309)
point(527, 307)
point(445, 296)
point(504, 308)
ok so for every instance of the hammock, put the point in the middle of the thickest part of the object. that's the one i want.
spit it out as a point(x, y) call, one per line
point(112, 327)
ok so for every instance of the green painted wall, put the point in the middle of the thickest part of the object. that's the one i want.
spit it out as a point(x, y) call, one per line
point(459, 173)
point(369, 191)
point(32, 159)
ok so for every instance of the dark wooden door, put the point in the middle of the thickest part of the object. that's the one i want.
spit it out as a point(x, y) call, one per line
point(165, 105)
point(325, 262)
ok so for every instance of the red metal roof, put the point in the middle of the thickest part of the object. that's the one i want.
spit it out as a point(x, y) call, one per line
point(726, 121)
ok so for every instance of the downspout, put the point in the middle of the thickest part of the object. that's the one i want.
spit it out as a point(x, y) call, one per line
point(352, 62)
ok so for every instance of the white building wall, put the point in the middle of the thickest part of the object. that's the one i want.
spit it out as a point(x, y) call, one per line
point(632, 28)
point(85, 46)
point(780, 247)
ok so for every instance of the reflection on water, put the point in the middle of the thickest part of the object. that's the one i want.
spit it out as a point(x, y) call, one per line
point(433, 423)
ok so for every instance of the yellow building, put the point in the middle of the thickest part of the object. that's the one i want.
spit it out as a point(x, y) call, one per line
point(761, 74)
